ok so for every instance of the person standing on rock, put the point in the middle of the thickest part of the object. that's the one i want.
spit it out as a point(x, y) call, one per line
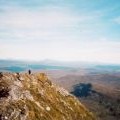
point(29, 72)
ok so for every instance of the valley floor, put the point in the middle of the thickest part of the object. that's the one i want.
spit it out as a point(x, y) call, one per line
point(100, 92)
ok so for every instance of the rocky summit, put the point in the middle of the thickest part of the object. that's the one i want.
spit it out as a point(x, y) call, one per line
point(26, 96)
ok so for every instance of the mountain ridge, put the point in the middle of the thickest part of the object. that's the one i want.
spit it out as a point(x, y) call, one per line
point(26, 96)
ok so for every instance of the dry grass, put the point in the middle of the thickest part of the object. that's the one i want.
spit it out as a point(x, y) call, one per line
point(39, 99)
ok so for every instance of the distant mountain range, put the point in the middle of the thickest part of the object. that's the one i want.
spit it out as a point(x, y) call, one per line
point(18, 66)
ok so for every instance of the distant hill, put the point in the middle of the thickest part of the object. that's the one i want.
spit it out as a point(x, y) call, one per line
point(19, 66)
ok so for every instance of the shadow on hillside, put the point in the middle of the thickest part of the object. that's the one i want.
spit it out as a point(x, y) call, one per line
point(104, 106)
point(82, 90)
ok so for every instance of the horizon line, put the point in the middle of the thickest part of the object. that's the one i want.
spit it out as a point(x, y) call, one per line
point(62, 61)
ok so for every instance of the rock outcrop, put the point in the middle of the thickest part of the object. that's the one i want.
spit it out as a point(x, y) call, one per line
point(34, 97)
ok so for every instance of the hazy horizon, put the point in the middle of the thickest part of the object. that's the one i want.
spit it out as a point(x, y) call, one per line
point(60, 62)
point(64, 30)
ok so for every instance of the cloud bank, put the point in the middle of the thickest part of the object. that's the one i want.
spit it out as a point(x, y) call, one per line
point(35, 30)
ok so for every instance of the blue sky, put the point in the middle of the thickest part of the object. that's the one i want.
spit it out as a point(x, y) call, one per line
point(67, 30)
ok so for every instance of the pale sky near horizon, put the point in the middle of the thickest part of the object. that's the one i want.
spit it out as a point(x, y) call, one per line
point(67, 30)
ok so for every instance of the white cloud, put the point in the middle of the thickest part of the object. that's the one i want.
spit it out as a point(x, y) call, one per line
point(47, 23)
point(44, 18)
point(52, 33)
point(68, 50)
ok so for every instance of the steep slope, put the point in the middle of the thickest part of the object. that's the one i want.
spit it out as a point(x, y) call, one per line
point(34, 97)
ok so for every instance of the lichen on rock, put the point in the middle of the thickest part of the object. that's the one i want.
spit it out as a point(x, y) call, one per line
point(35, 97)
